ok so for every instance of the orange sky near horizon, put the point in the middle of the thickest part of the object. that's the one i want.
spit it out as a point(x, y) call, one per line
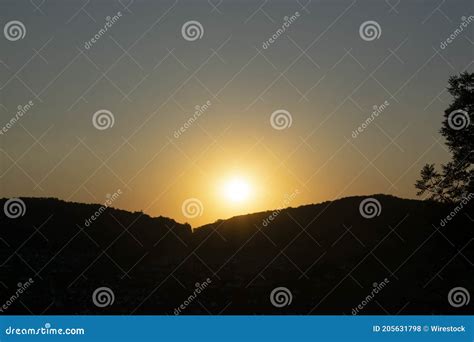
point(280, 118)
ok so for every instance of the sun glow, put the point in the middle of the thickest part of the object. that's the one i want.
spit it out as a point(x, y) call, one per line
point(237, 190)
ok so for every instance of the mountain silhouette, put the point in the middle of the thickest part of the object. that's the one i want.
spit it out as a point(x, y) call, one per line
point(328, 257)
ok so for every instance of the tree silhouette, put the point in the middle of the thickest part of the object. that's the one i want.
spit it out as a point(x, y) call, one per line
point(456, 178)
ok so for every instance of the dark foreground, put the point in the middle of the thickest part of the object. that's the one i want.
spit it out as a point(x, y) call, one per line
point(330, 259)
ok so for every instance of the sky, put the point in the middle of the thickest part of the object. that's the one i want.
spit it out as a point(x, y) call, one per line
point(278, 111)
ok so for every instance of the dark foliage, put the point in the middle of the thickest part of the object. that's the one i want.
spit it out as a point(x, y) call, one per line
point(456, 178)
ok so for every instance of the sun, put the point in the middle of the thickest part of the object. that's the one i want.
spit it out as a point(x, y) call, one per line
point(237, 190)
